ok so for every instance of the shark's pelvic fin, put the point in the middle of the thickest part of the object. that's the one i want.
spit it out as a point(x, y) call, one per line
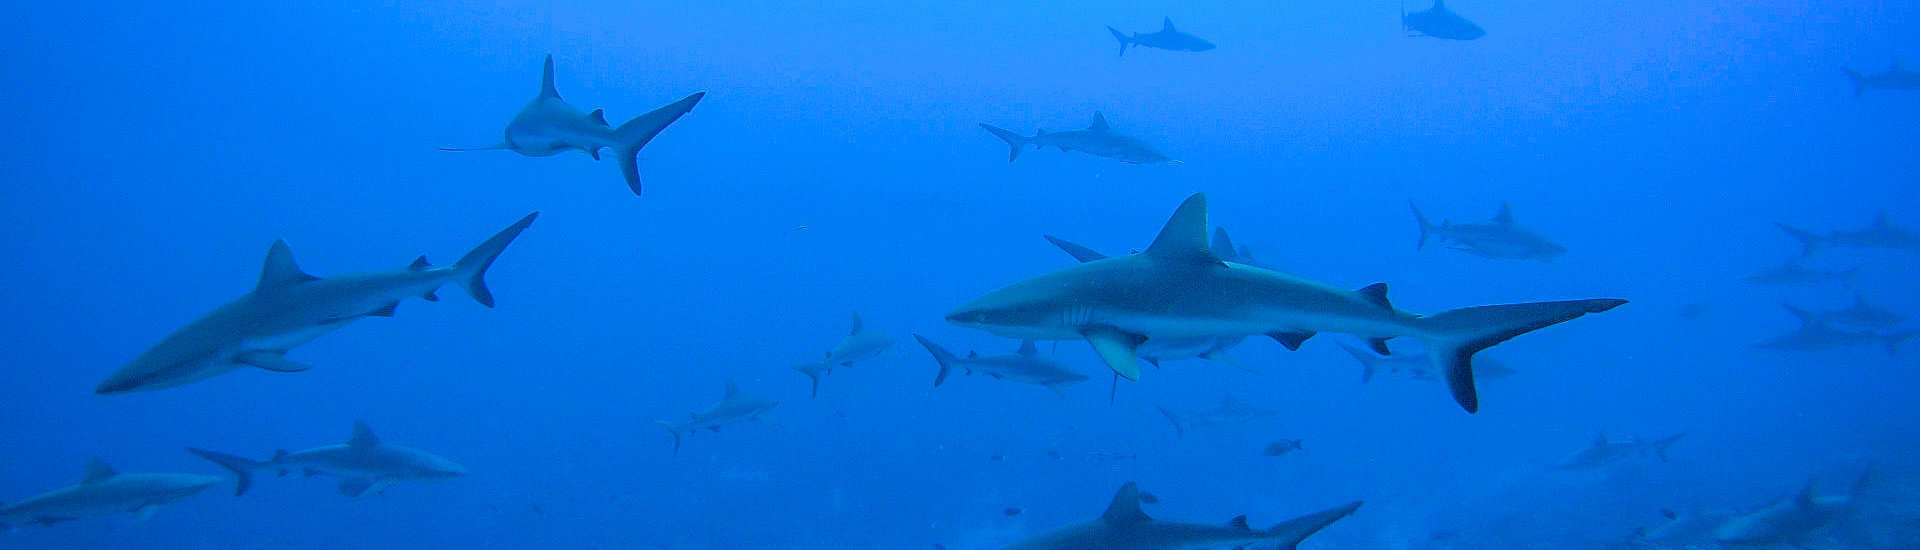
point(1291, 339)
point(1118, 349)
point(1453, 337)
point(1125, 508)
point(275, 361)
point(354, 487)
point(473, 266)
point(279, 270)
point(1368, 363)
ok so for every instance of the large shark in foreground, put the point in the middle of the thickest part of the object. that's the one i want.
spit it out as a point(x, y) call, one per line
point(1499, 238)
point(1881, 234)
point(1098, 140)
point(1025, 366)
point(1439, 22)
point(1794, 520)
point(1232, 410)
point(549, 126)
point(288, 308)
point(734, 407)
point(1896, 78)
point(860, 344)
point(1125, 527)
point(1604, 452)
point(1178, 289)
point(104, 492)
point(364, 464)
point(1168, 38)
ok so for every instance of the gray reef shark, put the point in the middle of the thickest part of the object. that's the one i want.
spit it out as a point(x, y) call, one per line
point(1793, 520)
point(859, 345)
point(1232, 410)
point(1125, 527)
point(549, 126)
point(104, 492)
point(1168, 38)
point(1025, 366)
point(1153, 352)
point(1896, 78)
point(1098, 140)
point(1880, 234)
point(734, 407)
point(1418, 367)
point(1796, 272)
point(364, 464)
point(1499, 238)
point(1863, 314)
point(1604, 452)
point(1439, 22)
point(288, 308)
point(1177, 289)
point(1817, 334)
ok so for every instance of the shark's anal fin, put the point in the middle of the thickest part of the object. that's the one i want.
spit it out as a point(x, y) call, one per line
point(275, 361)
point(1379, 346)
point(1117, 348)
point(1125, 508)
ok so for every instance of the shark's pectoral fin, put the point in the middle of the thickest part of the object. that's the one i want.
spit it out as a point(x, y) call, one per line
point(1291, 339)
point(353, 487)
point(275, 361)
point(1117, 348)
point(145, 512)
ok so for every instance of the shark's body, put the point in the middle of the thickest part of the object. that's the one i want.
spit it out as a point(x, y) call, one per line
point(1605, 453)
point(1816, 333)
point(1231, 411)
point(860, 344)
point(1796, 272)
point(1881, 234)
point(104, 492)
point(364, 464)
point(1863, 314)
point(1167, 38)
point(1177, 289)
point(1169, 349)
point(289, 308)
point(1025, 366)
point(1125, 527)
point(734, 407)
point(1416, 366)
point(1098, 140)
point(1498, 238)
point(1794, 520)
point(1440, 22)
point(1895, 79)
point(549, 126)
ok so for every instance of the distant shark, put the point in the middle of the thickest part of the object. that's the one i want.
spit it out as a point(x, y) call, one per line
point(1178, 289)
point(1604, 452)
point(1499, 238)
point(859, 345)
point(1793, 520)
point(1125, 527)
point(104, 492)
point(1863, 314)
point(289, 308)
point(1797, 272)
point(1167, 38)
point(1025, 366)
point(1098, 140)
point(1418, 367)
point(1439, 22)
point(1817, 334)
point(734, 407)
point(1880, 234)
point(1232, 410)
point(549, 126)
point(1896, 78)
point(364, 464)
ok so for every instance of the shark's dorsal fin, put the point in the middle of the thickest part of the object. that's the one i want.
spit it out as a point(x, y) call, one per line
point(1599, 438)
point(1184, 238)
point(1505, 217)
point(1239, 523)
point(598, 115)
point(733, 389)
point(1125, 509)
point(279, 270)
point(1804, 500)
point(98, 470)
point(1027, 348)
point(1166, 24)
point(1669, 514)
point(857, 325)
point(419, 264)
point(1377, 294)
point(1078, 252)
point(362, 436)
point(546, 80)
point(1099, 122)
point(1222, 244)
point(973, 354)
point(1439, 5)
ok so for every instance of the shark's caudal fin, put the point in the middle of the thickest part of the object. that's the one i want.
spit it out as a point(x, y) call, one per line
point(1809, 241)
point(242, 468)
point(1660, 447)
point(473, 266)
point(1859, 82)
point(637, 132)
point(813, 371)
point(1122, 37)
point(1179, 424)
point(940, 355)
point(672, 429)
point(1014, 141)
point(1368, 363)
point(1291, 532)
point(1453, 337)
point(1425, 228)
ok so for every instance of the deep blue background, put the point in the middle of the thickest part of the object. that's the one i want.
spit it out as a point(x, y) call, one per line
point(154, 150)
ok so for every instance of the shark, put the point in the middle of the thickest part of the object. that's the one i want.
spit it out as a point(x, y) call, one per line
point(1167, 38)
point(1098, 140)
point(1797, 272)
point(1793, 520)
point(104, 492)
point(734, 407)
point(1208, 348)
point(1124, 526)
point(1418, 366)
point(288, 307)
point(1863, 314)
point(1025, 366)
point(1178, 289)
point(1679, 529)
point(1603, 452)
point(364, 464)
point(1816, 333)
point(1498, 238)
point(1895, 78)
point(1439, 22)
point(548, 126)
point(859, 345)
point(1231, 410)
point(1880, 234)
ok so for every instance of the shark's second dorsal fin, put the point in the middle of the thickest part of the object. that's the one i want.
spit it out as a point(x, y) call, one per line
point(1125, 509)
point(1222, 244)
point(1027, 348)
point(1166, 24)
point(362, 436)
point(1099, 122)
point(733, 389)
point(599, 116)
point(98, 470)
point(1505, 217)
point(1184, 238)
point(546, 80)
point(279, 270)
point(857, 325)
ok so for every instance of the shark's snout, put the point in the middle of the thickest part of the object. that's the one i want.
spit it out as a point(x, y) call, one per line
point(116, 384)
point(967, 317)
point(1203, 46)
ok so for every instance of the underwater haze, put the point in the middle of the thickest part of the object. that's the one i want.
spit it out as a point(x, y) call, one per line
point(1707, 161)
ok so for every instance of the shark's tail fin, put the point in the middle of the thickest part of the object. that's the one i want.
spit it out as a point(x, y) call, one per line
point(1452, 337)
point(1179, 424)
point(1014, 141)
point(1291, 532)
point(1660, 447)
point(1368, 363)
point(672, 429)
point(1809, 241)
point(940, 355)
point(1859, 82)
point(637, 132)
point(1425, 227)
point(1122, 37)
point(813, 371)
point(242, 468)
point(473, 266)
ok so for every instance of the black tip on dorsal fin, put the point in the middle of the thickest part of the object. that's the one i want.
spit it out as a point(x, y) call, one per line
point(1125, 508)
point(599, 116)
point(546, 80)
point(1238, 523)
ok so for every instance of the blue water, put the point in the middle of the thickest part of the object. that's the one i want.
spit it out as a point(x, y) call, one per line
point(153, 152)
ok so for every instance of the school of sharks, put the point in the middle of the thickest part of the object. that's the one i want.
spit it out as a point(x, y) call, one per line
point(1185, 299)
